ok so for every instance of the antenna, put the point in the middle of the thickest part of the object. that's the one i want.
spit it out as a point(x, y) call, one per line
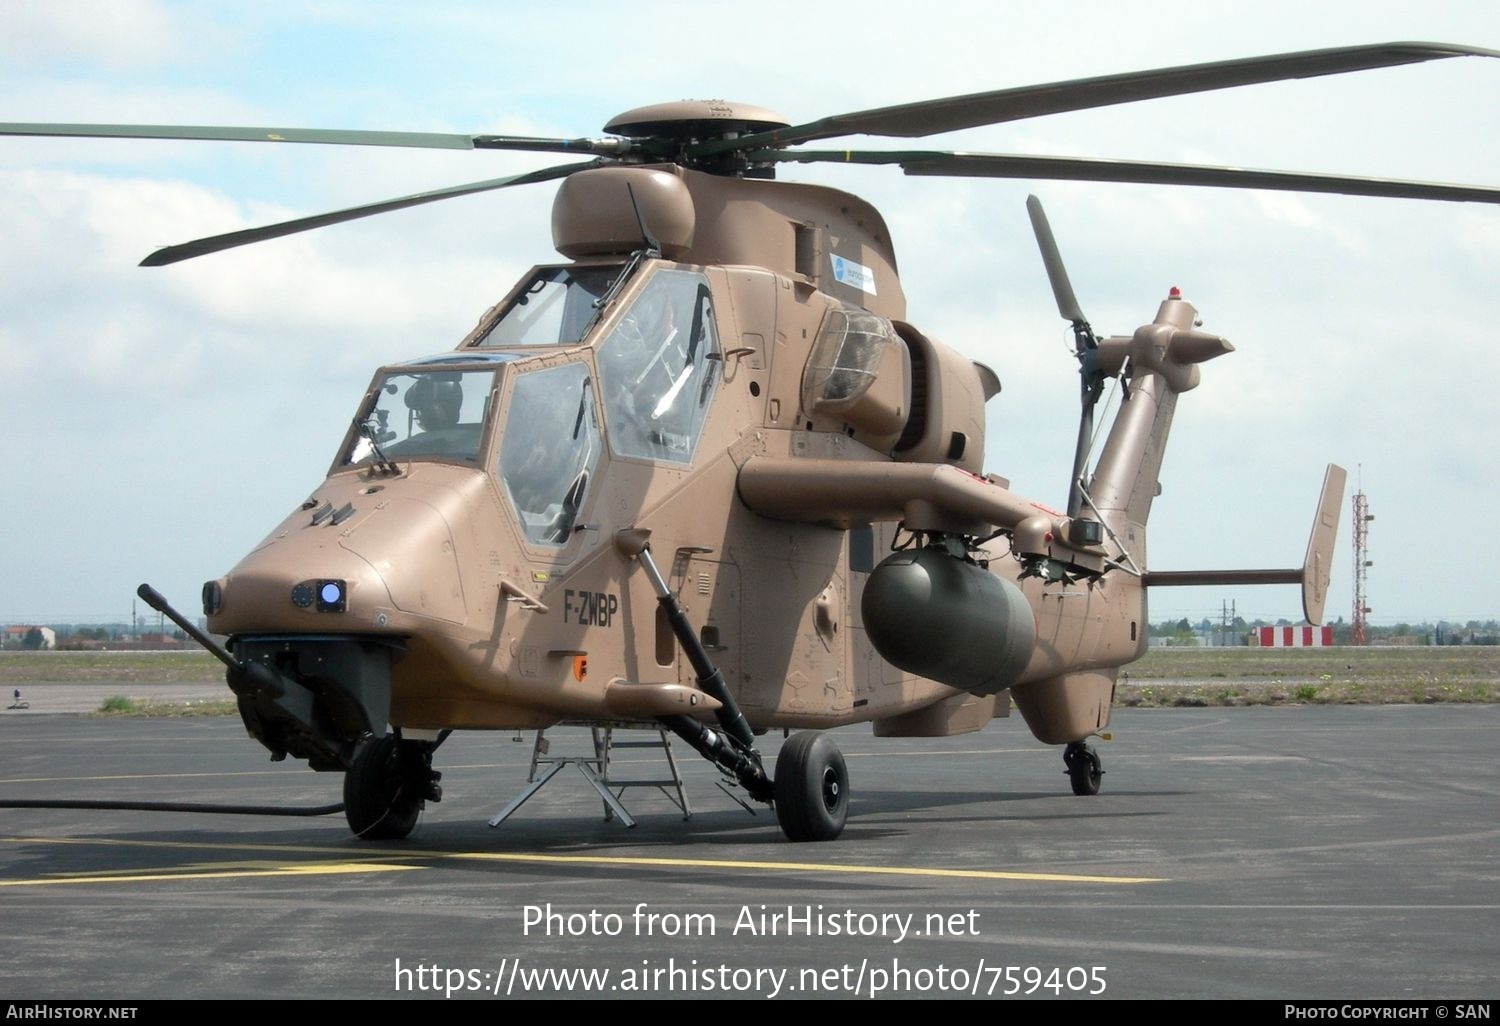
point(653, 248)
point(1362, 563)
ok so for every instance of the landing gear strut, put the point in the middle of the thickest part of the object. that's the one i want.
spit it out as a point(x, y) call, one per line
point(1085, 771)
point(387, 785)
point(811, 789)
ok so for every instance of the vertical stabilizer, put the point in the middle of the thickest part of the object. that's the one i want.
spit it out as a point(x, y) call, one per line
point(1317, 566)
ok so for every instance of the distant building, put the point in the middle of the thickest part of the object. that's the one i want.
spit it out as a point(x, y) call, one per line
point(1178, 641)
point(146, 641)
point(21, 636)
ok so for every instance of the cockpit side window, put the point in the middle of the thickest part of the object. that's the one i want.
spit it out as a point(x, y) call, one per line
point(554, 308)
point(659, 367)
point(550, 450)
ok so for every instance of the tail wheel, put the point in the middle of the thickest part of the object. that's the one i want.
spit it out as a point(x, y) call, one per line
point(811, 787)
point(381, 802)
point(1085, 771)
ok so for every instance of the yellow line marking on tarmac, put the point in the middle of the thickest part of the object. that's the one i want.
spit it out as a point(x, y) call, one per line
point(810, 867)
point(213, 871)
point(605, 860)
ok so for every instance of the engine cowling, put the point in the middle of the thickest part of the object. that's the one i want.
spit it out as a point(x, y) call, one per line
point(940, 617)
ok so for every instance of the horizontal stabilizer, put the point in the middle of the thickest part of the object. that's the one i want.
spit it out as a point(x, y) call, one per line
point(1313, 575)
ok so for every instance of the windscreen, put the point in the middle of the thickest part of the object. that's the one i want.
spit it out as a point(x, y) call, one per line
point(437, 414)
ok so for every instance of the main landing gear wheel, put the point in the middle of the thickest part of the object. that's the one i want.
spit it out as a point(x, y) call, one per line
point(812, 787)
point(1085, 771)
point(386, 786)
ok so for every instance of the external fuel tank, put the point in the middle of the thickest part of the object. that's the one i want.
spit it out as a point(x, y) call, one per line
point(944, 618)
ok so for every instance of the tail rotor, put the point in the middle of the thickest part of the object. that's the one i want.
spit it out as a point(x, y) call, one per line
point(1086, 346)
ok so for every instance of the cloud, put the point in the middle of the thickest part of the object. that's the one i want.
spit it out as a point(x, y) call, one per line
point(113, 33)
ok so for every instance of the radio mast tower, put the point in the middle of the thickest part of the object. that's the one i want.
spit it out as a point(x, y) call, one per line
point(1362, 518)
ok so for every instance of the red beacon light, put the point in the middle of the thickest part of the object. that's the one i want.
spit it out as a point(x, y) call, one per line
point(1174, 292)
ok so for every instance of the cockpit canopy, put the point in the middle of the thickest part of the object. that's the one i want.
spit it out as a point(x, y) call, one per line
point(433, 413)
point(555, 307)
point(550, 449)
point(658, 367)
point(642, 393)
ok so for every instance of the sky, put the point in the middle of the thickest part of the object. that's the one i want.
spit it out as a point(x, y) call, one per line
point(159, 422)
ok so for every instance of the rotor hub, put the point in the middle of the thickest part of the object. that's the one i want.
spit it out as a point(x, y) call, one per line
point(687, 121)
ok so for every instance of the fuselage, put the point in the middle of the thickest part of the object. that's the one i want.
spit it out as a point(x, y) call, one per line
point(469, 514)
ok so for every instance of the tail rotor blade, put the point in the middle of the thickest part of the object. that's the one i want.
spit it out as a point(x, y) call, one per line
point(1090, 376)
point(1057, 274)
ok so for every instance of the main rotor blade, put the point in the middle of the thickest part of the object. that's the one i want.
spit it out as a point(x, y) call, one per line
point(221, 133)
point(1083, 169)
point(331, 136)
point(929, 117)
point(1057, 274)
point(216, 243)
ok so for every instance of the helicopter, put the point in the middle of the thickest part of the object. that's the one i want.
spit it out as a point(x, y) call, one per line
point(706, 474)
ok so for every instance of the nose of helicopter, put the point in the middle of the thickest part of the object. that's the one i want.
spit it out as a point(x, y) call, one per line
point(333, 592)
point(366, 574)
point(325, 606)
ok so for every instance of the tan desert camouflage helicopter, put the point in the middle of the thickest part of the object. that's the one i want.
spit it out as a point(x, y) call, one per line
point(707, 474)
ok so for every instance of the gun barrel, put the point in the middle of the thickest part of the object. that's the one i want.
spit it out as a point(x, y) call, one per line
point(158, 602)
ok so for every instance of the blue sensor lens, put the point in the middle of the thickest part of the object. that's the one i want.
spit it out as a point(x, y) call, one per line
point(331, 594)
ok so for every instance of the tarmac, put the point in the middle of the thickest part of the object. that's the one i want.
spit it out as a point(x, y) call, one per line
point(47, 697)
point(1273, 853)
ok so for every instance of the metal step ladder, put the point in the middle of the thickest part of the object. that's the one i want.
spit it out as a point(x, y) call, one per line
point(596, 770)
